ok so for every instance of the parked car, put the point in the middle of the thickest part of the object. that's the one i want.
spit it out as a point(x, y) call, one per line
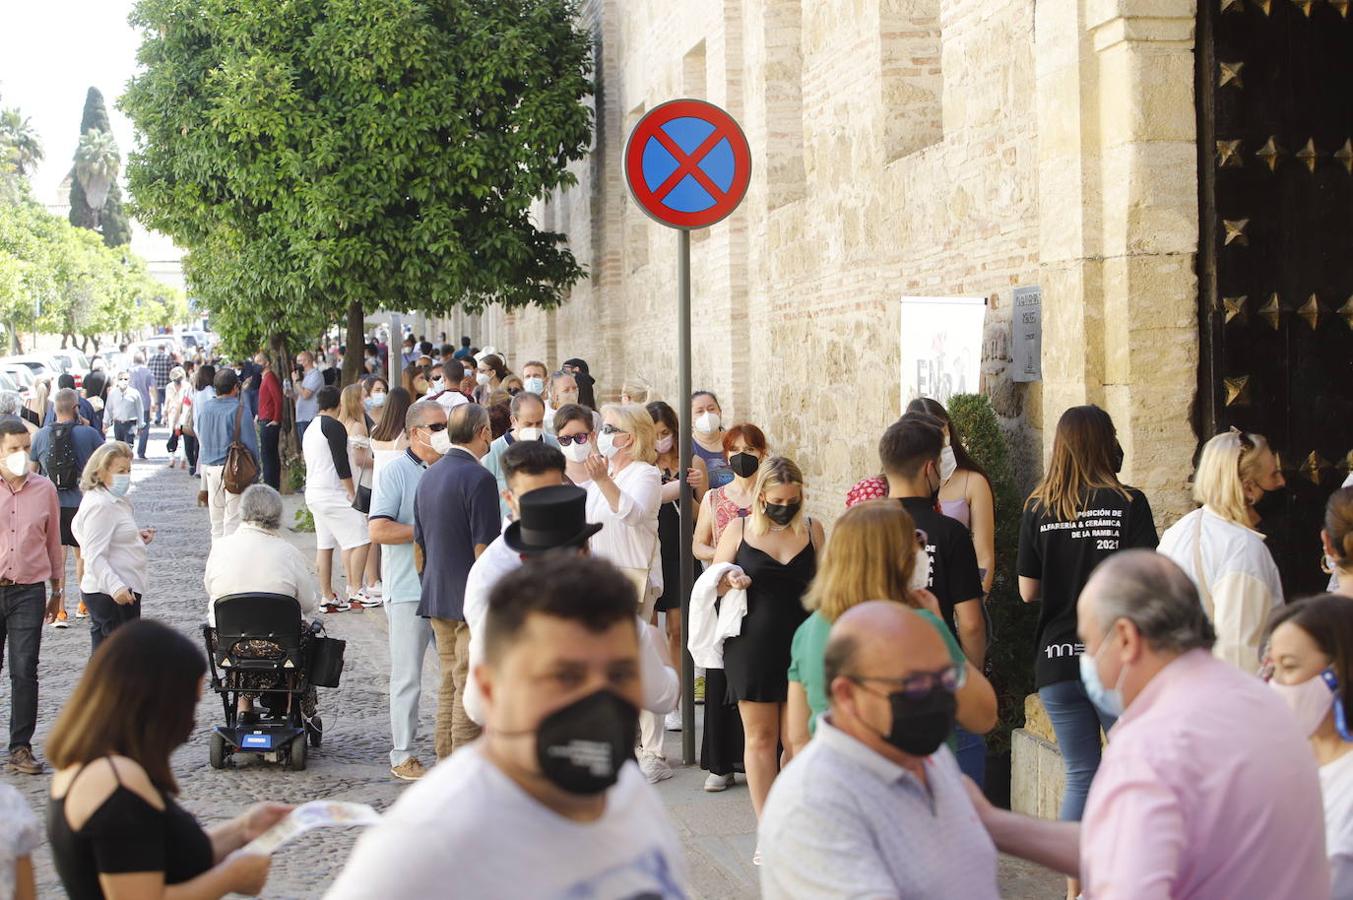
point(148, 347)
point(40, 366)
point(70, 361)
point(20, 374)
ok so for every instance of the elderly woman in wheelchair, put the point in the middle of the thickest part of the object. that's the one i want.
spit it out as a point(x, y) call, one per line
point(258, 641)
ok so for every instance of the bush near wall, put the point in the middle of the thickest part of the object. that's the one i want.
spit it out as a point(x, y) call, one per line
point(1010, 658)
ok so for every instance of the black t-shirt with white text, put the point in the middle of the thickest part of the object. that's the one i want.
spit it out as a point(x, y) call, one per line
point(1062, 555)
point(954, 575)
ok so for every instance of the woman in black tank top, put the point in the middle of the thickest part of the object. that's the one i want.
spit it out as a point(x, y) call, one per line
point(774, 557)
point(112, 820)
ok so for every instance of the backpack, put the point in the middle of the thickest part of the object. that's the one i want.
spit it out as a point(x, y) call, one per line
point(62, 466)
point(241, 469)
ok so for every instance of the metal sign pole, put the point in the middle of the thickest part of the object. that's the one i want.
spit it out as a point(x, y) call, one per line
point(686, 556)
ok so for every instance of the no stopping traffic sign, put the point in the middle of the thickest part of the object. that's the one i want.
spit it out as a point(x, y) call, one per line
point(688, 164)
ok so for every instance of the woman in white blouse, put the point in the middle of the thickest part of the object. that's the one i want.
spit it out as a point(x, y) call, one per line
point(1218, 547)
point(114, 548)
point(624, 496)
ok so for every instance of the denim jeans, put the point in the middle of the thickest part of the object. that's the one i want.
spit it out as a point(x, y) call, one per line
point(125, 431)
point(1077, 723)
point(143, 435)
point(22, 607)
point(106, 615)
point(971, 753)
point(410, 636)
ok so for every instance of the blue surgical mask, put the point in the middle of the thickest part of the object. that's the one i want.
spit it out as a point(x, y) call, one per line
point(121, 485)
point(1108, 700)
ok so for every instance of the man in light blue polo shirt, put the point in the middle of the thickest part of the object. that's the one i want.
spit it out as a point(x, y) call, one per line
point(528, 424)
point(391, 524)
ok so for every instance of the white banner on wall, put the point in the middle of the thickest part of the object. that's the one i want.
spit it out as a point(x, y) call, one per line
point(941, 347)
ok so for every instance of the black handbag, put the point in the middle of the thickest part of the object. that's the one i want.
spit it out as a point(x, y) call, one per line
point(361, 500)
point(326, 661)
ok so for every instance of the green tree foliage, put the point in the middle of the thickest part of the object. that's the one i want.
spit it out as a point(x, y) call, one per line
point(57, 278)
point(17, 133)
point(116, 227)
point(84, 214)
point(321, 156)
point(96, 165)
point(1010, 658)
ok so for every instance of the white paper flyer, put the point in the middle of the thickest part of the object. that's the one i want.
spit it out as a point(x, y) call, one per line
point(309, 816)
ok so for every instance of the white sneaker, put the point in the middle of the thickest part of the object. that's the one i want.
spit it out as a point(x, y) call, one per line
point(654, 767)
point(716, 783)
point(673, 720)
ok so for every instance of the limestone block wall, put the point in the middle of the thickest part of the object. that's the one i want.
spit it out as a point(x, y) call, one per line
point(938, 147)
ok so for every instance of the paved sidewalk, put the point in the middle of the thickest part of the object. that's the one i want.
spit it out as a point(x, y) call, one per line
point(718, 830)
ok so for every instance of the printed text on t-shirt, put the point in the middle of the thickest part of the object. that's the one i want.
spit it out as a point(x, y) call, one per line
point(1103, 526)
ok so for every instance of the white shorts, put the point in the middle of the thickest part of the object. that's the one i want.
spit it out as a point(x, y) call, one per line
point(337, 524)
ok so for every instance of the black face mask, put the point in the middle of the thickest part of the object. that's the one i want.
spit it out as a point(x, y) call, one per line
point(581, 747)
point(744, 464)
point(1116, 457)
point(920, 726)
point(782, 513)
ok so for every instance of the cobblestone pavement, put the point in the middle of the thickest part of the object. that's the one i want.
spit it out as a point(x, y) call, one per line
point(717, 830)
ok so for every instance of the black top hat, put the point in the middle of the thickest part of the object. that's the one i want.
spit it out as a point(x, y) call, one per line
point(551, 518)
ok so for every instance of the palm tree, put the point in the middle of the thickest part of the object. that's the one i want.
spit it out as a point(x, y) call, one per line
point(17, 131)
point(96, 165)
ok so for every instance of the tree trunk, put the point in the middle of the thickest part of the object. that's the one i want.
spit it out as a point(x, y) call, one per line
point(288, 447)
point(65, 339)
point(355, 341)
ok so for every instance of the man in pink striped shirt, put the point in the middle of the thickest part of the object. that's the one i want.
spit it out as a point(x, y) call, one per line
point(1203, 791)
point(30, 553)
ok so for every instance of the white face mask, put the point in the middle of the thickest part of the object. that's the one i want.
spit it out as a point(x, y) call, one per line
point(17, 462)
point(1309, 701)
point(664, 445)
point(948, 464)
point(920, 573)
point(534, 384)
point(707, 422)
point(576, 452)
point(529, 434)
point(440, 441)
point(606, 445)
point(481, 378)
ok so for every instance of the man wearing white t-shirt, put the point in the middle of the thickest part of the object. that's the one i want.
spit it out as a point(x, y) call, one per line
point(549, 803)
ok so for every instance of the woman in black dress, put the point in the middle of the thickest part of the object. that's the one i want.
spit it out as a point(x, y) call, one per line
point(665, 429)
point(112, 820)
point(774, 552)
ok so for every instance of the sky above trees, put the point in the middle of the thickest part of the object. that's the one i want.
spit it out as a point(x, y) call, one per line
point(50, 54)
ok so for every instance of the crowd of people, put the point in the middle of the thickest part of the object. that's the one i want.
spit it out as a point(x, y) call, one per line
point(530, 536)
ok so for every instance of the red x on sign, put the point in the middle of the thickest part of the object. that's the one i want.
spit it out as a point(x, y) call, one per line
point(688, 164)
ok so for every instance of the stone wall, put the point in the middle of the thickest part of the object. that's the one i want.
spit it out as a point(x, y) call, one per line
point(937, 147)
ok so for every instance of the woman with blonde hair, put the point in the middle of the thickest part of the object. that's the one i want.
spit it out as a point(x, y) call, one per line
point(1218, 547)
point(1337, 538)
point(774, 557)
point(38, 404)
point(624, 495)
point(876, 553)
point(114, 548)
point(353, 416)
point(1078, 516)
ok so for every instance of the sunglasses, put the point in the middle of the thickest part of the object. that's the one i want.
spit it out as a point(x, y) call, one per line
point(611, 429)
point(567, 440)
point(919, 685)
point(436, 427)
